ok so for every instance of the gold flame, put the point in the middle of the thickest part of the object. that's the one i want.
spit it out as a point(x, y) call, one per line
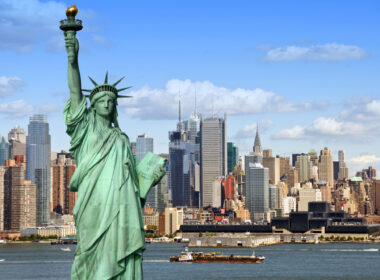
point(72, 11)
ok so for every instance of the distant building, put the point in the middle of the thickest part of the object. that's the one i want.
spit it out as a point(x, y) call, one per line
point(304, 167)
point(173, 219)
point(308, 194)
point(213, 156)
point(62, 169)
point(257, 148)
point(38, 164)
point(19, 198)
point(326, 168)
point(343, 172)
point(144, 144)
point(4, 151)
point(289, 204)
point(273, 165)
point(284, 166)
point(257, 188)
point(232, 157)
point(133, 148)
point(17, 142)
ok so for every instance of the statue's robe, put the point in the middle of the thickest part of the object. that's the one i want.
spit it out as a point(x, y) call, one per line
point(108, 218)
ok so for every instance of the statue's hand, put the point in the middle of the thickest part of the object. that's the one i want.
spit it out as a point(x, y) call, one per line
point(72, 46)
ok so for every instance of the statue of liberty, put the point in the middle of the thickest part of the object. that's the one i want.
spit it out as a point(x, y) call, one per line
point(111, 187)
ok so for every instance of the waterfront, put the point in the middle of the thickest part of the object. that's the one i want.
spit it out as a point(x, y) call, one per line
point(286, 261)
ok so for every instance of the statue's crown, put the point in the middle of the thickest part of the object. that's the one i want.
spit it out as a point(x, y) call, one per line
point(106, 87)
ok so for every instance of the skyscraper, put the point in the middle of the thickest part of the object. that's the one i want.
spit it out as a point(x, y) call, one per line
point(257, 188)
point(326, 168)
point(257, 148)
point(232, 157)
point(38, 164)
point(184, 156)
point(304, 167)
point(4, 151)
point(273, 165)
point(17, 142)
point(62, 170)
point(144, 144)
point(19, 198)
point(343, 169)
point(213, 155)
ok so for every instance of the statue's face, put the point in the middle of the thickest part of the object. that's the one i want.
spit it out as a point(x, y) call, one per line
point(105, 105)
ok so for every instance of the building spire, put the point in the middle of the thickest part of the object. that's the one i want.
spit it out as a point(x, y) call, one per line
point(179, 107)
point(257, 147)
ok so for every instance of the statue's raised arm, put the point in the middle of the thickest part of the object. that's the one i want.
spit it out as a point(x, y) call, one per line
point(70, 26)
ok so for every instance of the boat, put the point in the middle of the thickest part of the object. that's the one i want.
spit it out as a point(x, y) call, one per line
point(201, 257)
point(66, 249)
point(3, 241)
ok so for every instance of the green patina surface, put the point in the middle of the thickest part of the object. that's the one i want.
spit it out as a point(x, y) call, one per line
point(111, 186)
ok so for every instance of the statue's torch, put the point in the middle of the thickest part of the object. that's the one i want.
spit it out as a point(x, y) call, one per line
point(70, 26)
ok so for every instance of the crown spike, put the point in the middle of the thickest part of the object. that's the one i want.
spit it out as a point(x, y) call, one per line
point(123, 89)
point(95, 84)
point(124, 96)
point(114, 85)
point(106, 78)
point(87, 90)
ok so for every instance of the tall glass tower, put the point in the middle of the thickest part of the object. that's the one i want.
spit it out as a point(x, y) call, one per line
point(144, 144)
point(38, 164)
point(4, 151)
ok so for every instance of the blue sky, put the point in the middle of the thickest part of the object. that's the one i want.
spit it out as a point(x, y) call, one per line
point(306, 71)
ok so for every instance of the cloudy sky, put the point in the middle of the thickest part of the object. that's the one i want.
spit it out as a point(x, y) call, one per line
point(306, 71)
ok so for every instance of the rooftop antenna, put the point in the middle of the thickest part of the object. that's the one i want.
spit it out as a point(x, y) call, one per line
point(212, 104)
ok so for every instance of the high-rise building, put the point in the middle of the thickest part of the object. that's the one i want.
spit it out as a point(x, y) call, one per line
point(2, 175)
point(273, 165)
point(232, 157)
point(19, 198)
point(256, 188)
point(326, 168)
point(38, 164)
point(289, 205)
point(275, 197)
point(303, 167)
point(343, 169)
point(313, 157)
point(4, 151)
point(17, 142)
point(291, 177)
point(62, 169)
point(213, 155)
point(308, 194)
point(257, 148)
point(133, 148)
point(284, 166)
point(294, 159)
point(144, 144)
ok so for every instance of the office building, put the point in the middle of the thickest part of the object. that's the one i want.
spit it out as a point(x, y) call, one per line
point(273, 165)
point(326, 168)
point(289, 205)
point(232, 157)
point(343, 172)
point(303, 167)
point(213, 156)
point(173, 219)
point(144, 144)
point(38, 164)
point(308, 194)
point(4, 151)
point(17, 142)
point(256, 189)
point(62, 169)
point(19, 198)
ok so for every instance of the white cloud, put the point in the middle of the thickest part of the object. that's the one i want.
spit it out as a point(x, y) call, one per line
point(362, 162)
point(148, 103)
point(249, 131)
point(21, 108)
point(9, 85)
point(326, 52)
point(357, 122)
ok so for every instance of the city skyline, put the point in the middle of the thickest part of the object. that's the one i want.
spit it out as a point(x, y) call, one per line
point(292, 67)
